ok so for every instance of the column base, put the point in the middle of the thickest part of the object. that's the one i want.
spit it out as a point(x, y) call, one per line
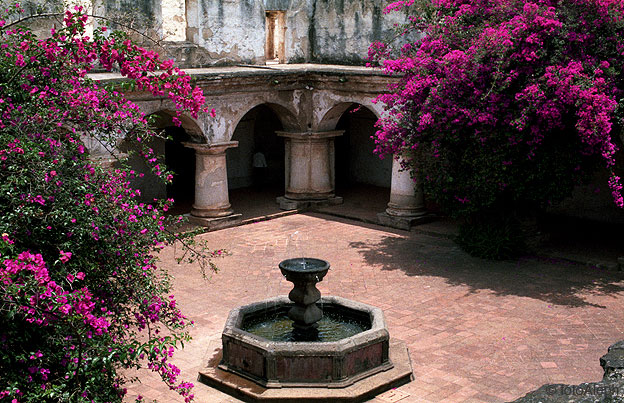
point(311, 195)
point(403, 222)
point(216, 223)
point(405, 210)
point(223, 211)
point(290, 204)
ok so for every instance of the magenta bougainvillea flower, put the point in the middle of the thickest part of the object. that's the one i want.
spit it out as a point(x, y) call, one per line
point(505, 102)
point(81, 294)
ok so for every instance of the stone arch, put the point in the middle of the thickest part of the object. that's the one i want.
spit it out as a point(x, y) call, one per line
point(330, 118)
point(256, 131)
point(174, 154)
point(287, 117)
point(165, 109)
point(164, 118)
point(355, 161)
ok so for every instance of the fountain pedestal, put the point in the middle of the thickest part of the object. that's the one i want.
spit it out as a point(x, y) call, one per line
point(304, 273)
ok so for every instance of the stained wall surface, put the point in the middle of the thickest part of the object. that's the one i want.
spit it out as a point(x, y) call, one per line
point(200, 33)
point(327, 31)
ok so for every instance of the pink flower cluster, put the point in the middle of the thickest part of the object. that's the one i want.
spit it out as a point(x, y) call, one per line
point(82, 219)
point(42, 301)
point(521, 70)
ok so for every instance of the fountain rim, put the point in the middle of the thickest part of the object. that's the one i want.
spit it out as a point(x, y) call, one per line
point(234, 321)
point(323, 265)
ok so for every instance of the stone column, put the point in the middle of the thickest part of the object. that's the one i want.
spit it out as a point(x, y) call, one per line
point(212, 207)
point(105, 161)
point(105, 156)
point(309, 170)
point(407, 202)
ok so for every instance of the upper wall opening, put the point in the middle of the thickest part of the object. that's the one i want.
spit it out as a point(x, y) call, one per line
point(275, 37)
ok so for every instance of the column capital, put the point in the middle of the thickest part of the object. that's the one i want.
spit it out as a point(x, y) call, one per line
point(214, 148)
point(310, 135)
point(403, 156)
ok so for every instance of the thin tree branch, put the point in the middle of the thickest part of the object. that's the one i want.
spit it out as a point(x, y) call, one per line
point(111, 20)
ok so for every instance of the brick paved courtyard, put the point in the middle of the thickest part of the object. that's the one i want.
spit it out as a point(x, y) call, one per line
point(477, 331)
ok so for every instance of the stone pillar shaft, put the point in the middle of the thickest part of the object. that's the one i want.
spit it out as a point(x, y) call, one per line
point(211, 186)
point(407, 201)
point(310, 168)
point(104, 155)
point(406, 195)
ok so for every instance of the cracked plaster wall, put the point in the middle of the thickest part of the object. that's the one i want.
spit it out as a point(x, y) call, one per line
point(342, 30)
point(207, 32)
point(331, 31)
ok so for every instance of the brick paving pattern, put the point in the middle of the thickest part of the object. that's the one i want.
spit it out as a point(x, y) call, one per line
point(477, 331)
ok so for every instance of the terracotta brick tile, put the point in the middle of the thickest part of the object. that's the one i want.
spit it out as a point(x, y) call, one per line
point(548, 365)
point(452, 310)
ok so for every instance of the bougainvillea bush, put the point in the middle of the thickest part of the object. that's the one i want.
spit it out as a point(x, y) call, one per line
point(505, 104)
point(81, 297)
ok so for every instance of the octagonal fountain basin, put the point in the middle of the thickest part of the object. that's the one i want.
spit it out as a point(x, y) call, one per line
point(260, 344)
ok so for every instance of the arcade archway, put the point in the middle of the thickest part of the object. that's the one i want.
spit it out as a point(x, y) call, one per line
point(253, 189)
point(362, 178)
point(178, 158)
point(356, 163)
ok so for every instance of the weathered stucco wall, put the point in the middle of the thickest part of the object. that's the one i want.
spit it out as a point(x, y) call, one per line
point(328, 31)
point(341, 30)
point(143, 15)
point(211, 32)
point(229, 30)
point(174, 23)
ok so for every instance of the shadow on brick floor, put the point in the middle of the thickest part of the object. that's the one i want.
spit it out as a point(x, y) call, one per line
point(542, 281)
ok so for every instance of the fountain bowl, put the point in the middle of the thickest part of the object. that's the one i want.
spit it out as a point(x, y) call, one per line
point(336, 364)
point(304, 269)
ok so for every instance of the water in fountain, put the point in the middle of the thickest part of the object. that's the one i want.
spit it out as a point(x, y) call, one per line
point(294, 323)
point(331, 327)
point(303, 319)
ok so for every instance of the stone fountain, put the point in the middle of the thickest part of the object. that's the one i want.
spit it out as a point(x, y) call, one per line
point(306, 347)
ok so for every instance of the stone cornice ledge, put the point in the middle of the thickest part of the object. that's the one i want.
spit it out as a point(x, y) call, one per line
point(246, 71)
